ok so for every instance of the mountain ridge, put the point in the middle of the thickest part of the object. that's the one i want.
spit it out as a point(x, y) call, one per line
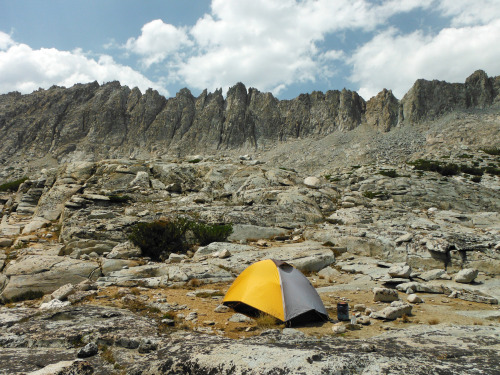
point(92, 121)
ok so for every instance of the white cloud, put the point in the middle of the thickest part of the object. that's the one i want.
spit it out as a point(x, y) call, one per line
point(395, 61)
point(268, 44)
point(467, 13)
point(25, 69)
point(157, 41)
point(5, 41)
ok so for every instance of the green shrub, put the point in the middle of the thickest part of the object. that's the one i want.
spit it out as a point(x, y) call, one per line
point(476, 178)
point(158, 239)
point(389, 173)
point(371, 194)
point(208, 233)
point(492, 170)
point(12, 185)
point(194, 161)
point(471, 170)
point(448, 169)
point(492, 151)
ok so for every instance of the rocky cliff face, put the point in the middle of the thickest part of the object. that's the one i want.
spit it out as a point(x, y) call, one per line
point(89, 121)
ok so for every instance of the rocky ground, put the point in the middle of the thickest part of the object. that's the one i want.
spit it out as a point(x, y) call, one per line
point(415, 254)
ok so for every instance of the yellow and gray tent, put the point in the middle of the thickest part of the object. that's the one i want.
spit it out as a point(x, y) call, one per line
point(278, 289)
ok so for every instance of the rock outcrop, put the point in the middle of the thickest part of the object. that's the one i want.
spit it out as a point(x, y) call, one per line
point(89, 121)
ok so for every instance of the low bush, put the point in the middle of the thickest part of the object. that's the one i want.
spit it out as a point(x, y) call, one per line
point(158, 239)
point(373, 194)
point(208, 233)
point(12, 185)
point(492, 170)
point(389, 173)
point(448, 169)
point(495, 151)
point(471, 170)
point(476, 179)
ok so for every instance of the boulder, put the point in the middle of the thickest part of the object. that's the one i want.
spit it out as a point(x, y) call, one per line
point(176, 258)
point(413, 287)
point(34, 275)
point(6, 242)
point(243, 232)
point(434, 274)
point(413, 298)
point(88, 350)
point(125, 250)
point(312, 182)
point(314, 263)
point(403, 271)
point(63, 292)
point(35, 224)
point(396, 310)
point(329, 273)
point(385, 295)
point(466, 276)
point(141, 180)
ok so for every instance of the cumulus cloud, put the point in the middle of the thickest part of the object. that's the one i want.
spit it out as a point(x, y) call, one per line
point(25, 69)
point(395, 61)
point(268, 44)
point(5, 41)
point(271, 44)
point(157, 41)
point(464, 13)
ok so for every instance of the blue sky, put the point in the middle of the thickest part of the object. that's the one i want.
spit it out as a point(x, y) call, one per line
point(286, 47)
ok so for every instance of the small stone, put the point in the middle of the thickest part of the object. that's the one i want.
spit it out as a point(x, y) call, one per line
point(240, 318)
point(312, 182)
point(147, 346)
point(191, 316)
point(466, 276)
point(223, 254)
point(88, 350)
point(338, 329)
point(359, 307)
point(413, 298)
point(404, 238)
point(364, 320)
point(54, 304)
point(221, 309)
point(176, 258)
point(368, 348)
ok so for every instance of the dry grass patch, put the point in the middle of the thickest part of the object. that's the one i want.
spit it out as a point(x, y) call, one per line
point(266, 321)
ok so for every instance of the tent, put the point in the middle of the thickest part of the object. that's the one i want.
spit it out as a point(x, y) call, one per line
point(278, 289)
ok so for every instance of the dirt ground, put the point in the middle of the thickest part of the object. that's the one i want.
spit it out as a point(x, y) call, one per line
point(436, 309)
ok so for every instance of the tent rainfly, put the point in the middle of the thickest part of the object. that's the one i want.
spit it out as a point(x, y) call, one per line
point(278, 289)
